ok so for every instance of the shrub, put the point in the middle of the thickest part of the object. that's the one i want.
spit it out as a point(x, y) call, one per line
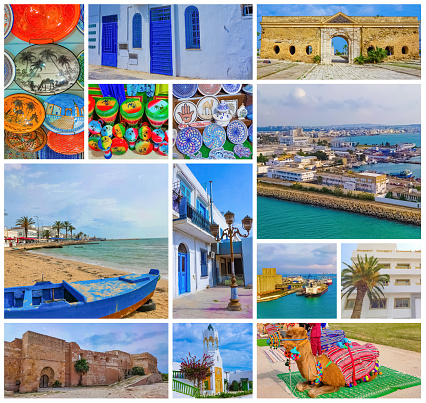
point(138, 371)
point(56, 384)
point(389, 195)
point(360, 60)
point(317, 59)
point(326, 190)
point(165, 377)
point(377, 55)
point(234, 386)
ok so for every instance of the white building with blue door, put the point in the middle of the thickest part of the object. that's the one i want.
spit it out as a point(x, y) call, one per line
point(206, 41)
point(198, 260)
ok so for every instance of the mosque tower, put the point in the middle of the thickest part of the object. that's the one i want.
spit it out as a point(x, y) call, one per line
point(211, 347)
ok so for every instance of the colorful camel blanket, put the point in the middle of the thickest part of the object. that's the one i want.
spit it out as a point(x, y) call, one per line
point(329, 338)
point(355, 362)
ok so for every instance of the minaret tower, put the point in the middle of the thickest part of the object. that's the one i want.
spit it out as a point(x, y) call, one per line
point(211, 347)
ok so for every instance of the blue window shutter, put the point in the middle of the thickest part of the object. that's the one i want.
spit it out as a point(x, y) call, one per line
point(137, 31)
point(192, 28)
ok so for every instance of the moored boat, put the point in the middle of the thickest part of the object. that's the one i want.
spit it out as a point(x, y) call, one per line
point(110, 298)
point(315, 289)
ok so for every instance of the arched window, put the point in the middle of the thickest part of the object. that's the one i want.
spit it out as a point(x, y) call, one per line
point(192, 28)
point(137, 30)
point(292, 50)
point(182, 248)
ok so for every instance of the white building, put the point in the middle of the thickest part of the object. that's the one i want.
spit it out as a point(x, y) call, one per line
point(205, 41)
point(360, 181)
point(402, 298)
point(294, 137)
point(339, 143)
point(291, 174)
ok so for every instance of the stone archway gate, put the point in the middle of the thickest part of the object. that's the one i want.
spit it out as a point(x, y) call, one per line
point(301, 38)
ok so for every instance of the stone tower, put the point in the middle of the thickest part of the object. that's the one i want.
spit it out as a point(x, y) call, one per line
point(211, 347)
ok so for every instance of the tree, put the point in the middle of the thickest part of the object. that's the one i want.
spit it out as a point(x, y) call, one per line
point(81, 367)
point(364, 277)
point(71, 228)
point(345, 49)
point(79, 235)
point(46, 234)
point(138, 371)
point(197, 370)
point(377, 55)
point(25, 223)
point(57, 225)
point(66, 225)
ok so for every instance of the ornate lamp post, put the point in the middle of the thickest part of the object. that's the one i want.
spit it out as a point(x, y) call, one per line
point(234, 304)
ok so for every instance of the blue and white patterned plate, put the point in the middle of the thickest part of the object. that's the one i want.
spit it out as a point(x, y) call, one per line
point(232, 88)
point(189, 140)
point(250, 134)
point(237, 132)
point(184, 91)
point(214, 136)
point(248, 89)
point(8, 20)
point(9, 70)
point(80, 23)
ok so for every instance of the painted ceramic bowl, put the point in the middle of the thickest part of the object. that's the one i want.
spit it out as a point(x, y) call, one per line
point(209, 89)
point(131, 135)
point(9, 70)
point(44, 23)
point(8, 20)
point(248, 89)
point(214, 136)
point(95, 127)
point(66, 145)
point(107, 131)
point(157, 112)
point(145, 132)
point(189, 140)
point(158, 136)
point(119, 146)
point(131, 111)
point(144, 147)
point(104, 143)
point(232, 88)
point(93, 142)
point(46, 69)
point(80, 23)
point(107, 109)
point(184, 91)
point(119, 130)
point(23, 113)
point(80, 80)
point(64, 114)
point(26, 142)
point(163, 149)
point(237, 132)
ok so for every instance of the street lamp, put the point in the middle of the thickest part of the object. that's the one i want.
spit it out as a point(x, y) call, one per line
point(234, 304)
point(38, 229)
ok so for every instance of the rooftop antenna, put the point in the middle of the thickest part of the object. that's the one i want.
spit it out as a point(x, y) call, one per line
point(211, 202)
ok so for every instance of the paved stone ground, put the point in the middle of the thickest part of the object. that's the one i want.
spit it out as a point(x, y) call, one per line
point(112, 73)
point(270, 386)
point(212, 303)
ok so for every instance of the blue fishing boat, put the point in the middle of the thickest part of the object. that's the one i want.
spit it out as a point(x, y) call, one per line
point(110, 298)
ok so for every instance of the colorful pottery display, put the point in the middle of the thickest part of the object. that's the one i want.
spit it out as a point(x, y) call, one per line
point(104, 145)
point(8, 20)
point(209, 89)
point(66, 145)
point(242, 151)
point(119, 146)
point(223, 114)
point(236, 132)
point(157, 112)
point(144, 147)
point(46, 69)
point(131, 111)
point(214, 136)
point(64, 114)
point(9, 70)
point(93, 142)
point(250, 134)
point(231, 88)
point(131, 136)
point(26, 142)
point(23, 113)
point(95, 127)
point(107, 131)
point(185, 112)
point(184, 91)
point(80, 23)
point(119, 130)
point(189, 140)
point(206, 107)
point(80, 80)
point(44, 23)
point(107, 109)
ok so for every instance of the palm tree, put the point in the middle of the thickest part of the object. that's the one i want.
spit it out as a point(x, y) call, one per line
point(66, 225)
point(27, 57)
point(49, 54)
point(377, 55)
point(364, 277)
point(64, 61)
point(35, 66)
point(57, 225)
point(46, 234)
point(81, 367)
point(25, 222)
point(30, 107)
point(345, 49)
point(79, 235)
point(18, 103)
point(71, 228)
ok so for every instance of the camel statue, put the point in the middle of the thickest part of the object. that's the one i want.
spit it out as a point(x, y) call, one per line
point(207, 107)
point(324, 374)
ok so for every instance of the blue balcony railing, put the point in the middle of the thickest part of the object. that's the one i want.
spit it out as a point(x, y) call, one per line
point(187, 211)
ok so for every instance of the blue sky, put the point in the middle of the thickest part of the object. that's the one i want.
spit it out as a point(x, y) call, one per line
point(297, 258)
point(361, 10)
point(235, 343)
point(114, 201)
point(232, 186)
point(132, 338)
point(325, 104)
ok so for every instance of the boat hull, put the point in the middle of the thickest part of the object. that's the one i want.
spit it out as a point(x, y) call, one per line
point(317, 294)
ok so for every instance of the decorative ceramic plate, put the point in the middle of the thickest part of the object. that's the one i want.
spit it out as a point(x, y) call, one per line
point(64, 114)
point(206, 107)
point(209, 89)
point(23, 113)
point(184, 91)
point(214, 136)
point(249, 109)
point(248, 89)
point(66, 145)
point(80, 23)
point(232, 88)
point(46, 69)
point(8, 20)
point(26, 142)
point(80, 80)
point(185, 112)
point(44, 23)
point(250, 133)
point(189, 140)
point(9, 70)
point(237, 132)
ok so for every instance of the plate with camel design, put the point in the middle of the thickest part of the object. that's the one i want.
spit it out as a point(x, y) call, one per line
point(46, 69)
point(23, 113)
point(206, 107)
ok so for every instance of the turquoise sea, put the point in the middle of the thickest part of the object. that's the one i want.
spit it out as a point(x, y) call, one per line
point(390, 168)
point(294, 307)
point(392, 139)
point(278, 219)
point(136, 256)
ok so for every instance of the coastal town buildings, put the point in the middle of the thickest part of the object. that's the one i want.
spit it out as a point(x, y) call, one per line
point(294, 137)
point(362, 181)
point(402, 294)
point(36, 361)
point(205, 41)
point(291, 174)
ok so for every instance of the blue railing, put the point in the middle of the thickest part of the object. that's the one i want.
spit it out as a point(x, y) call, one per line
point(187, 211)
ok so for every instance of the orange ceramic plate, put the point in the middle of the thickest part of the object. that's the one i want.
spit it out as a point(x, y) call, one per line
point(66, 144)
point(22, 113)
point(26, 142)
point(44, 23)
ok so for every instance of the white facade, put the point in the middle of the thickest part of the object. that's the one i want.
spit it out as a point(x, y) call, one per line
point(403, 292)
point(211, 348)
point(291, 174)
point(362, 181)
point(339, 143)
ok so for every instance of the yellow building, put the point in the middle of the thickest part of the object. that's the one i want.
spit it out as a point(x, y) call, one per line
point(267, 281)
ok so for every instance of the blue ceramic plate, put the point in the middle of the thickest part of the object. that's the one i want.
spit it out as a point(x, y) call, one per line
point(184, 91)
point(250, 134)
point(64, 114)
point(214, 136)
point(8, 19)
point(248, 89)
point(189, 140)
point(249, 109)
point(232, 88)
point(80, 23)
point(237, 132)
point(9, 70)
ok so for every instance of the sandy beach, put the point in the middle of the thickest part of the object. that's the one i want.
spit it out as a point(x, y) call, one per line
point(22, 267)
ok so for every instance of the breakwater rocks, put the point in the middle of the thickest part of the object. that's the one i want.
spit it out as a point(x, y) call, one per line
point(379, 210)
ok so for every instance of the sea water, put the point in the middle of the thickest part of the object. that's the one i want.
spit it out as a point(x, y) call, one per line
point(280, 219)
point(135, 256)
point(391, 168)
point(299, 307)
point(391, 138)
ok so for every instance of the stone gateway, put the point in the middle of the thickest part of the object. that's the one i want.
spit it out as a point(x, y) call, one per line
point(303, 38)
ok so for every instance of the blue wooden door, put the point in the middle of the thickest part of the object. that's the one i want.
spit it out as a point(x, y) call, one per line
point(161, 41)
point(183, 273)
point(109, 40)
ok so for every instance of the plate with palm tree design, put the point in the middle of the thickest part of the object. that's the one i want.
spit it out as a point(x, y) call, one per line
point(46, 69)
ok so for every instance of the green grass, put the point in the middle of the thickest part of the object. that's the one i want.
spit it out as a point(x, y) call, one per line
point(407, 66)
point(405, 336)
